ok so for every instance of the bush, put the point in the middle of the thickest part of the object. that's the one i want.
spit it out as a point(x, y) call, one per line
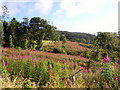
point(59, 50)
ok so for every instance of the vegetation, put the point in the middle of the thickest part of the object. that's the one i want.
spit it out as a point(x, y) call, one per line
point(78, 37)
point(58, 70)
point(33, 57)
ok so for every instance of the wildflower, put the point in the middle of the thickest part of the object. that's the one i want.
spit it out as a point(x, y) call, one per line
point(7, 63)
point(119, 71)
point(79, 67)
point(5, 53)
point(24, 57)
point(34, 65)
point(19, 52)
point(86, 70)
point(50, 72)
point(10, 56)
point(59, 60)
point(100, 68)
point(76, 62)
point(115, 66)
point(119, 65)
point(116, 78)
point(15, 56)
point(115, 62)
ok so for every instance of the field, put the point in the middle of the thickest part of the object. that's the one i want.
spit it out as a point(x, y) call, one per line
point(39, 69)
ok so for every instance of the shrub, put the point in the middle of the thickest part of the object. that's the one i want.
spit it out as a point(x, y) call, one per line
point(59, 50)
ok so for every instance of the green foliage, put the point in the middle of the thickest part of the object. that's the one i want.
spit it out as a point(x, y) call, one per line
point(78, 37)
point(26, 84)
point(11, 42)
point(59, 50)
point(24, 34)
point(86, 54)
point(63, 39)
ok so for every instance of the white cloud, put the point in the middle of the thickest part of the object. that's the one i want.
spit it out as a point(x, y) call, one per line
point(77, 7)
point(1, 8)
point(14, 8)
point(42, 6)
point(58, 12)
point(104, 24)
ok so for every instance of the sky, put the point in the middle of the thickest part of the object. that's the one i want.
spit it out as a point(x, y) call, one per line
point(86, 16)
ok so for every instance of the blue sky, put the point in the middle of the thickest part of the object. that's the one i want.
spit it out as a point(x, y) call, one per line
point(88, 16)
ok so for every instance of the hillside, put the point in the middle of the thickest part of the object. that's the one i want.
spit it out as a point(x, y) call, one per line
point(78, 37)
point(71, 48)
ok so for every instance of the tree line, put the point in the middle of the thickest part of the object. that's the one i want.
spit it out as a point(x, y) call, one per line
point(27, 33)
point(78, 37)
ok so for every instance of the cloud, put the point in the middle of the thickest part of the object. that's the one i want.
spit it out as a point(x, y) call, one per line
point(108, 23)
point(1, 8)
point(42, 6)
point(77, 7)
point(14, 7)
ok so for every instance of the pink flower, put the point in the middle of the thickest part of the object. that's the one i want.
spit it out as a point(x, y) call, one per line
point(76, 62)
point(116, 78)
point(100, 68)
point(34, 65)
point(15, 56)
point(119, 65)
point(115, 62)
point(79, 67)
point(86, 70)
point(24, 57)
point(5, 53)
point(59, 60)
point(115, 66)
point(50, 72)
point(19, 52)
point(119, 71)
point(10, 56)
point(7, 63)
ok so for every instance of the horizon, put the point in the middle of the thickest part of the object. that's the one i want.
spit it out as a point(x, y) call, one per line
point(72, 16)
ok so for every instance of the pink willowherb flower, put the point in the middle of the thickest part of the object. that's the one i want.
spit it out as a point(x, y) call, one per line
point(34, 65)
point(50, 72)
point(115, 62)
point(19, 52)
point(10, 56)
point(59, 60)
point(5, 53)
point(115, 66)
point(6, 62)
point(79, 67)
point(100, 68)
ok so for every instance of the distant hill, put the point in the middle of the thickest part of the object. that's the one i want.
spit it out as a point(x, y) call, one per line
point(78, 37)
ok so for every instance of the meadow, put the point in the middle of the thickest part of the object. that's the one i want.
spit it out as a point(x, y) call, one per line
point(39, 69)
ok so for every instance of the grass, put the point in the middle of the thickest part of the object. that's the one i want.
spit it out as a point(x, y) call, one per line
point(46, 42)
